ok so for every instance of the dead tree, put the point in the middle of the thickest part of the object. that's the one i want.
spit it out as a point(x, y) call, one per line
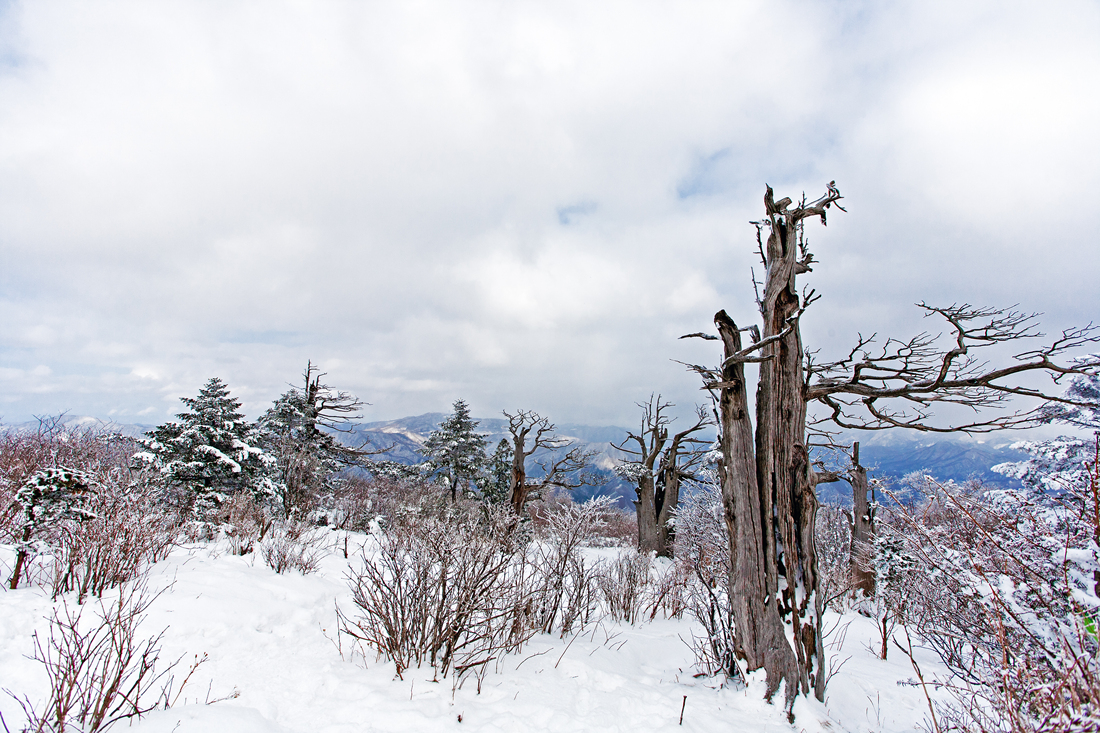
point(534, 438)
point(768, 481)
point(657, 467)
point(862, 523)
point(300, 430)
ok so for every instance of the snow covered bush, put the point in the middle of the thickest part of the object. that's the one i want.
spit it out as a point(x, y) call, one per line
point(624, 584)
point(243, 522)
point(1003, 587)
point(446, 591)
point(833, 535)
point(127, 530)
point(50, 445)
point(82, 520)
point(670, 590)
point(388, 501)
point(702, 544)
point(894, 566)
point(351, 505)
point(564, 581)
point(293, 545)
point(50, 503)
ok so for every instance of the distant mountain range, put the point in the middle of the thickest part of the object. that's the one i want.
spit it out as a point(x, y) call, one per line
point(887, 454)
point(405, 437)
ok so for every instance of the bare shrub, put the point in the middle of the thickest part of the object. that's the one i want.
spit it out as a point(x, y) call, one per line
point(403, 503)
point(126, 532)
point(1003, 589)
point(83, 519)
point(354, 502)
point(702, 544)
point(833, 536)
point(446, 590)
point(101, 672)
point(620, 529)
point(564, 587)
point(624, 584)
point(243, 522)
point(294, 545)
point(670, 590)
point(50, 501)
point(50, 445)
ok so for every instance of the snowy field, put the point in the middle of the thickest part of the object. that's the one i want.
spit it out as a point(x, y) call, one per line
point(275, 664)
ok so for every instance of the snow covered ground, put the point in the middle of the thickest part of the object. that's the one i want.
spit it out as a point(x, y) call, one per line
point(274, 665)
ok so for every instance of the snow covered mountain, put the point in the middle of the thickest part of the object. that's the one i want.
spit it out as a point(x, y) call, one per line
point(887, 454)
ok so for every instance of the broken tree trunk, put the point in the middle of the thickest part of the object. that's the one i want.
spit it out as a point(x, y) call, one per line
point(759, 634)
point(768, 481)
point(657, 464)
point(767, 478)
point(863, 528)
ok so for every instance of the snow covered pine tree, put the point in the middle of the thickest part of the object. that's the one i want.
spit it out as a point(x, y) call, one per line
point(212, 452)
point(49, 496)
point(456, 454)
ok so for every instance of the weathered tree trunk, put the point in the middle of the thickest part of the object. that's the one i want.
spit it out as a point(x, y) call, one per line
point(648, 533)
point(665, 501)
point(768, 481)
point(782, 460)
point(519, 488)
point(863, 528)
point(760, 637)
point(532, 433)
point(657, 467)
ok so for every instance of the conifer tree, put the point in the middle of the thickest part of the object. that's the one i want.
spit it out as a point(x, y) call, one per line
point(455, 452)
point(496, 482)
point(298, 432)
point(211, 452)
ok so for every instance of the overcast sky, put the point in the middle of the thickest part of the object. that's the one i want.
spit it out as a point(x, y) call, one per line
point(518, 204)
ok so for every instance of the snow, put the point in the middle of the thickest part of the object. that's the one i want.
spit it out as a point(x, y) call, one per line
point(277, 665)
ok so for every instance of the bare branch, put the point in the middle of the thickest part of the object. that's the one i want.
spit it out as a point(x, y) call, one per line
point(861, 388)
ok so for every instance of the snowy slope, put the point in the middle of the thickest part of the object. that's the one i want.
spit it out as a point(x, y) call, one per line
point(270, 642)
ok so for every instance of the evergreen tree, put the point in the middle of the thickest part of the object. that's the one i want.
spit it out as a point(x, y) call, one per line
point(212, 451)
point(496, 480)
point(455, 452)
point(297, 432)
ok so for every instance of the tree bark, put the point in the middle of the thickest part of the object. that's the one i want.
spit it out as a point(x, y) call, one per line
point(768, 482)
point(519, 488)
point(760, 638)
point(863, 528)
point(648, 534)
point(665, 501)
point(782, 460)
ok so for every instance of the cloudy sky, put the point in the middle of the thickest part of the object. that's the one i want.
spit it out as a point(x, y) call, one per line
point(519, 204)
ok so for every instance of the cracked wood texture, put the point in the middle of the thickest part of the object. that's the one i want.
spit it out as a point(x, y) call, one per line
point(767, 479)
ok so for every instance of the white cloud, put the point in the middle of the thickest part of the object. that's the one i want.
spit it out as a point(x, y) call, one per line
point(519, 204)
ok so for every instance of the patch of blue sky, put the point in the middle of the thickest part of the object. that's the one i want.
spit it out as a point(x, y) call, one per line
point(783, 159)
point(568, 215)
point(710, 175)
point(10, 56)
